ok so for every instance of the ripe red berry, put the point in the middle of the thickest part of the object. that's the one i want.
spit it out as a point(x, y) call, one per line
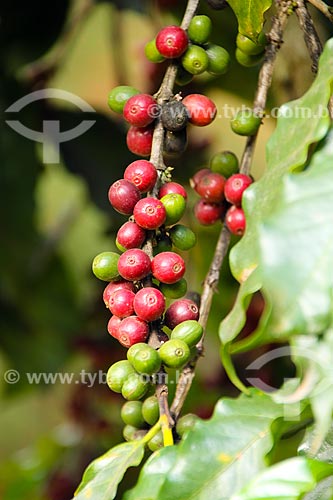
point(211, 187)
point(198, 176)
point(140, 110)
point(149, 213)
point(113, 287)
point(113, 326)
point(208, 213)
point(149, 303)
point(134, 264)
point(168, 267)
point(235, 220)
point(172, 41)
point(172, 188)
point(235, 187)
point(130, 235)
point(142, 174)
point(121, 303)
point(201, 109)
point(139, 140)
point(123, 196)
point(181, 310)
point(132, 330)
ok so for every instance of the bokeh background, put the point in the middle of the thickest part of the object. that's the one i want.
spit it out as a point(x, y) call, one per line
point(54, 218)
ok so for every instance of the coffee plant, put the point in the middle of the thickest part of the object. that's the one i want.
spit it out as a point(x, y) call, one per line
point(283, 248)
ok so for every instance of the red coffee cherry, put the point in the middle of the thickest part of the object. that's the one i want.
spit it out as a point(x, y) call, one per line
point(181, 310)
point(113, 287)
point(172, 41)
point(208, 213)
point(123, 196)
point(142, 174)
point(149, 213)
point(134, 264)
point(149, 303)
point(235, 187)
point(132, 330)
point(235, 220)
point(168, 267)
point(211, 187)
point(113, 326)
point(130, 235)
point(121, 303)
point(198, 176)
point(139, 140)
point(172, 188)
point(140, 110)
point(201, 109)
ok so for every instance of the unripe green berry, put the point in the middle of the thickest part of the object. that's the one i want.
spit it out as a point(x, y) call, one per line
point(224, 163)
point(186, 423)
point(145, 358)
point(182, 237)
point(245, 122)
point(105, 266)
point(246, 60)
point(119, 96)
point(190, 331)
point(132, 433)
point(156, 443)
point(174, 353)
point(135, 387)
point(131, 413)
point(200, 29)
point(183, 77)
point(118, 373)
point(151, 52)
point(219, 59)
point(195, 60)
point(175, 290)
point(151, 410)
point(249, 47)
point(163, 244)
point(175, 205)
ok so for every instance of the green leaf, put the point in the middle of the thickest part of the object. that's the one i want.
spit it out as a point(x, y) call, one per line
point(287, 151)
point(250, 16)
point(217, 457)
point(235, 320)
point(102, 476)
point(288, 480)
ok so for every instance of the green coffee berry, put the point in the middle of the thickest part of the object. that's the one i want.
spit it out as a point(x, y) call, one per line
point(150, 410)
point(174, 353)
point(135, 387)
point(245, 122)
point(224, 163)
point(190, 331)
point(246, 60)
point(195, 60)
point(156, 443)
point(249, 47)
point(186, 423)
point(118, 373)
point(105, 266)
point(152, 53)
point(183, 77)
point(219, 59)
point(145, 359)
point(119, 96)
point(175, 290)
point(175, 205)
point(200, 29)
point(131, 413)
point(182, 237)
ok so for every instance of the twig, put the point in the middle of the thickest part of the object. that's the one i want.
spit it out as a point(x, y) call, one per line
point(323, 8)
point(212, 277)
point(311, 37)
point(275, 37)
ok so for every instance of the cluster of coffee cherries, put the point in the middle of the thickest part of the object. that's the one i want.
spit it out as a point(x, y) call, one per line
point(141, 283)
point(219, 186)
point(249, 53)
point(192, 48)
point(141, 110)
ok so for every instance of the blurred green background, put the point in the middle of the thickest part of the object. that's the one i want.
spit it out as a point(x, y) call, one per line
point(56, 217)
